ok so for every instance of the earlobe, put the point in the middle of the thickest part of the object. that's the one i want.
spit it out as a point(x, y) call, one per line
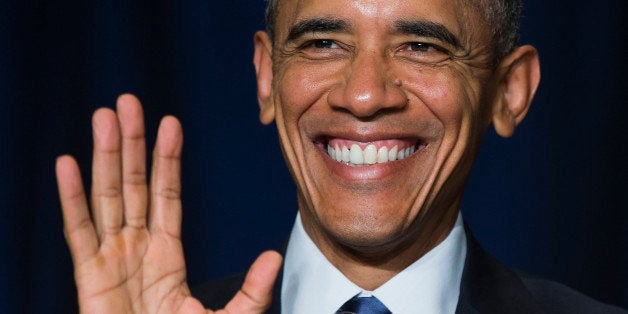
point(518, 78)
point(262, 60)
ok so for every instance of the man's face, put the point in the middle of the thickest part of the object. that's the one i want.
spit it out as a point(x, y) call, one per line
point(378, 108)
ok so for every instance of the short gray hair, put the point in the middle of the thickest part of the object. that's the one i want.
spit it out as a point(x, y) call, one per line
point(504, 16)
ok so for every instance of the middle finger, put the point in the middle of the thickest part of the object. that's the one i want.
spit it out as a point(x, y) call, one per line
point(107, 204)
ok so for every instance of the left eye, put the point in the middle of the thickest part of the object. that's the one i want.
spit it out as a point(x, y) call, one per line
point(421, 47)
point(424, 52)
point(325, 44)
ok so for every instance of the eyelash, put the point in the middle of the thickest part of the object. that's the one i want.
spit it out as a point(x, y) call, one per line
point(314, 43)
point(425, 47)
point(421, 46)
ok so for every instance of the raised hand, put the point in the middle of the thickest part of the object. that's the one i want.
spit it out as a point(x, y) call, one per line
point(127, 253)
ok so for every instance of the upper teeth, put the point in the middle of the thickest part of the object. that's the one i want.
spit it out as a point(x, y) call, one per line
point(356, 156)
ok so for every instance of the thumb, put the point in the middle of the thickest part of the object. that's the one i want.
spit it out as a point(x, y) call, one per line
point(255, 296)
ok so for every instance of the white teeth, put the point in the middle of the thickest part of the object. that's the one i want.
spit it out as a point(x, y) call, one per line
point(346, 154)
point(392, 154)
point(382, 155)
point(357, 158)
point(370, 154)
point(401, 154)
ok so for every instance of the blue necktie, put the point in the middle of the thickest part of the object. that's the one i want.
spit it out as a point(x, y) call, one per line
point(363, 305)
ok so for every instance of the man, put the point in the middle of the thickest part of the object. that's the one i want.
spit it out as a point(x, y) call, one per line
point(380, 106)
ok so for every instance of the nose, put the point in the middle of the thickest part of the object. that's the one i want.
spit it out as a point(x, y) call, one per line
point(369, 87)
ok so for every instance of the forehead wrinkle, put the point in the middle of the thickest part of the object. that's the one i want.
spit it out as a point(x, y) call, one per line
point(369, 7)
point(464, 26)
point(373, 9)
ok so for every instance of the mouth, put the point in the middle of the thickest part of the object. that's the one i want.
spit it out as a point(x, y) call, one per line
point(363, 154)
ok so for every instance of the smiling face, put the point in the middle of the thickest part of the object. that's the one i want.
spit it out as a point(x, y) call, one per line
point(380, 107)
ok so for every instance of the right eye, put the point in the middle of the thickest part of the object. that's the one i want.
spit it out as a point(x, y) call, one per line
point(324, 44)
point(322, 49)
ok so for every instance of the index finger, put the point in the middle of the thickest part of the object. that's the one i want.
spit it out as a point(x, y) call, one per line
point(77, 224)
point(165, 186)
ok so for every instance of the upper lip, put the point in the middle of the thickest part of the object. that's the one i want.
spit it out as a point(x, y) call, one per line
point(319, 130)
point(365, 137)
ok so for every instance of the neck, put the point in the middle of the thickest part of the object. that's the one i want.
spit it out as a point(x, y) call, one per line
point(369, 267)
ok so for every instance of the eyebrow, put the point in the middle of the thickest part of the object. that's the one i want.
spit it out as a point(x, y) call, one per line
point(318, 25)
point(428, 29)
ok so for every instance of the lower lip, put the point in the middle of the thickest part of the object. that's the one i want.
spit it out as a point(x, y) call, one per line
point(375, 172)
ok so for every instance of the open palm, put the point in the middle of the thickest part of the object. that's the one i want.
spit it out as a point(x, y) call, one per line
point(127, 254)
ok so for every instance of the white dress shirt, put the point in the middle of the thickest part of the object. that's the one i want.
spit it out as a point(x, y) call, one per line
point(311, 284)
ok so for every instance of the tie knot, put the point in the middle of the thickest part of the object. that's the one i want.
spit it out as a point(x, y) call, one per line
point(363, 305)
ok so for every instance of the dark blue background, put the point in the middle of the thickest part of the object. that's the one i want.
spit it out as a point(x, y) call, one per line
point(551, 200)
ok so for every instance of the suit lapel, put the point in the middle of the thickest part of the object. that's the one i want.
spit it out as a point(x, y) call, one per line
point(490, 287)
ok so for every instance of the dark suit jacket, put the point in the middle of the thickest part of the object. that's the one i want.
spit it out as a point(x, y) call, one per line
point(487, 287)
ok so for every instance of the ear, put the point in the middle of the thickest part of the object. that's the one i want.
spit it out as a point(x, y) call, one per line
point(262, 59)
point(518, 77)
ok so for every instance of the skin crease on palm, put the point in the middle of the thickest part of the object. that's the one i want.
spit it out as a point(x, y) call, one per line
point(365, 80)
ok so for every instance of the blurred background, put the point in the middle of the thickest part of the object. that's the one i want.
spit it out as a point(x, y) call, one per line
point(550, 201)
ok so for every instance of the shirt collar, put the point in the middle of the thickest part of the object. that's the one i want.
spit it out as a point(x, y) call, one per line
point(311, 284)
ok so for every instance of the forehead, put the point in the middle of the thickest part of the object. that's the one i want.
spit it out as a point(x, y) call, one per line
point(455, 15)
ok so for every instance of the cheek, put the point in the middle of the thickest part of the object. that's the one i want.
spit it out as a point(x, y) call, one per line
point(302, 86)
point(452, 98)
point(442, 93)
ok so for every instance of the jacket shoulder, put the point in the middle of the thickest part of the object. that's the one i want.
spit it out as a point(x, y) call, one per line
point(488, 286)
point(558, 298)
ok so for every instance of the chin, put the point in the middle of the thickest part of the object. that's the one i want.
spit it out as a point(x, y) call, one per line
point(364, 226)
